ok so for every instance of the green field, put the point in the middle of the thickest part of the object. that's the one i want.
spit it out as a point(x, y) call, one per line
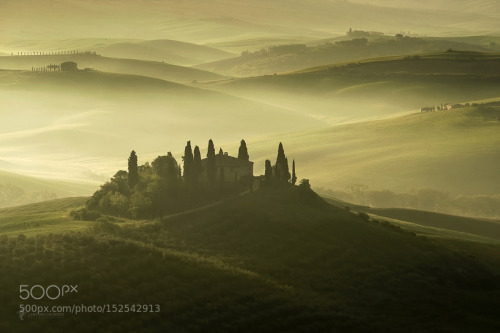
point(277, 260)
point(375, 87)
point(41, 218)
point(455, 152)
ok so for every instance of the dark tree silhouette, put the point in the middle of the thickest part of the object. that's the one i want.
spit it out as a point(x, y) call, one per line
point(243, 151)
point(188, 164)
point(164, 188)
point(133, 173)
point(282, 171)
point(196, 167)
point(268, 172)
point(294, 176)
point(211, 163)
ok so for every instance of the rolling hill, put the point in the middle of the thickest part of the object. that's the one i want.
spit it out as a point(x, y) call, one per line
point(50, 216)
point(125, 112)
point(16, 189)
point(279, 260)
point(168, 51)
point(376, 87)
point(438, 161)
point(291, 57)
point(488, 229)
point(153, 69)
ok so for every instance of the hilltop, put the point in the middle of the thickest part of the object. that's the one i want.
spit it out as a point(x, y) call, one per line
point(375, 87)
point(290, 57)
point(283, 256)
point(154, 69)
point(169, 51)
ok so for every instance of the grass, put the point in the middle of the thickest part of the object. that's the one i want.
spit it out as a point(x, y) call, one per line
point(275, 260)
point(41, 218)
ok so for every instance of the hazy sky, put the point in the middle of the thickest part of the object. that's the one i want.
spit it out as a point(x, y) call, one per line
point(213, 20)
point(198, 21)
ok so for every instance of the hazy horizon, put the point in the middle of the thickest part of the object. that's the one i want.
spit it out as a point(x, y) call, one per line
point(166, 72)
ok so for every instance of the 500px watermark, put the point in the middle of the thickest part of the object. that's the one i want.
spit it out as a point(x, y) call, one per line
point(101, 308)
point(52, 292)
point(58, 311)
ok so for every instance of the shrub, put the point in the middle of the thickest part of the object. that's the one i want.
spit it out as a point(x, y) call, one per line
point(364, 216)
point(83, 214)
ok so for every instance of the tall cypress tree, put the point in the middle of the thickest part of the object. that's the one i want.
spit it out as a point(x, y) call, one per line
point(133, 172)
point(211, 163)
point(243, 151)
point(294, 176)
point(196, 166)
point(188, 164)
point(282, 172)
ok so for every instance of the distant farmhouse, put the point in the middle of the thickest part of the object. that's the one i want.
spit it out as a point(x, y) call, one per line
point(69, 66)
point(228, 168)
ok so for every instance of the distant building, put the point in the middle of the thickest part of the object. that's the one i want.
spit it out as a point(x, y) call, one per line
point(228, 169)
point(69, 66)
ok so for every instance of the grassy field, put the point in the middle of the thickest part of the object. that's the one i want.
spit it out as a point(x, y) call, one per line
point(278, 260)
point(298, 56)
point(41, 218)
point(375, 87)
point(454, 152)
point(16, 189)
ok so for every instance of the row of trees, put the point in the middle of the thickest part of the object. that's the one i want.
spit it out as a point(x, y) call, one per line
point(280, 172)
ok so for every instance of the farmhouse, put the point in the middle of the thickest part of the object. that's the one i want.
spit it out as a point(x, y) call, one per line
point(228, 169)
point(69, 66)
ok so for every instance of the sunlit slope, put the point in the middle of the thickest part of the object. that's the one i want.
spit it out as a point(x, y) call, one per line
point(483, 229)
point(16, 189)
point(237, 46)
point(84, 124)
point(422, 222)
point(41, 218)
point(280, 260)
point(156, 69)
point(169, 51)
point(377, 86)
point(454, 151)
point(296, 56)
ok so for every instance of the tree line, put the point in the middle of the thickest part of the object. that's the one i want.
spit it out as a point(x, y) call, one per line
point(161, 187)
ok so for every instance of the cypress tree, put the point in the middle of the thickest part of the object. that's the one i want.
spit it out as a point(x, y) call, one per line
point(282, 171)
point(196, 166)
point(294, 176)
point(211, 162)
point(188, 164)
point(133, 173)
point(243, 151)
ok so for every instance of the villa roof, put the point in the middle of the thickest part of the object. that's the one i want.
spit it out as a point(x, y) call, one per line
point(226, 160)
